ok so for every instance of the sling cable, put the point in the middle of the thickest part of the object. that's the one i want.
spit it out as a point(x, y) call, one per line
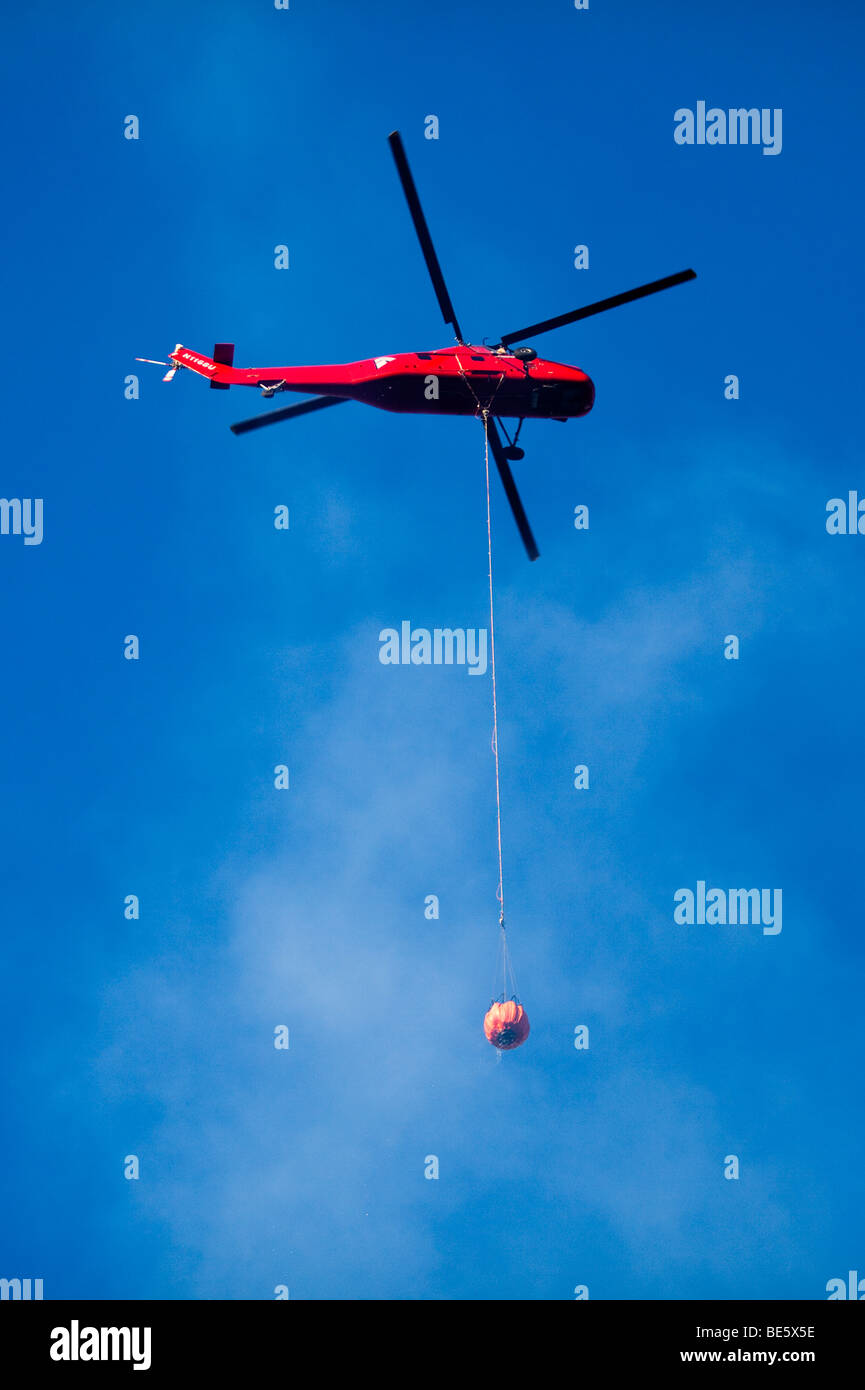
point(506, 1024)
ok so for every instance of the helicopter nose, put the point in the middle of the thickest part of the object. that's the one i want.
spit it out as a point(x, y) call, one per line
point(583, 392)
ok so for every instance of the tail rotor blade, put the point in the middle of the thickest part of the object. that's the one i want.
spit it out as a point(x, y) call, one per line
point(171, 364)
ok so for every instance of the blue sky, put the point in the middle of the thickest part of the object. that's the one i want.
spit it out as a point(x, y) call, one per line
point(305, 908)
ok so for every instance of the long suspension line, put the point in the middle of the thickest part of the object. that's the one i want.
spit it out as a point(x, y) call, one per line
point(507, 969)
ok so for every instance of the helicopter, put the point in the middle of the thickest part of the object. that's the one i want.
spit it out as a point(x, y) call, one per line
point(507, 380)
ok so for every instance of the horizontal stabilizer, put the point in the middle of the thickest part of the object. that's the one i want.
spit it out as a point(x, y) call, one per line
point(223, 353)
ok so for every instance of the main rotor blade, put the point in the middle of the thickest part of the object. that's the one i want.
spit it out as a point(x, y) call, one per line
point(600, 307)
point(513, 496)
point(272, 417)
point(423, 236)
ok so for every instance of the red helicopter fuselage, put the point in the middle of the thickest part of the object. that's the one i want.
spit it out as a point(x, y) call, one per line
point(460, 380)
point(508, 381)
